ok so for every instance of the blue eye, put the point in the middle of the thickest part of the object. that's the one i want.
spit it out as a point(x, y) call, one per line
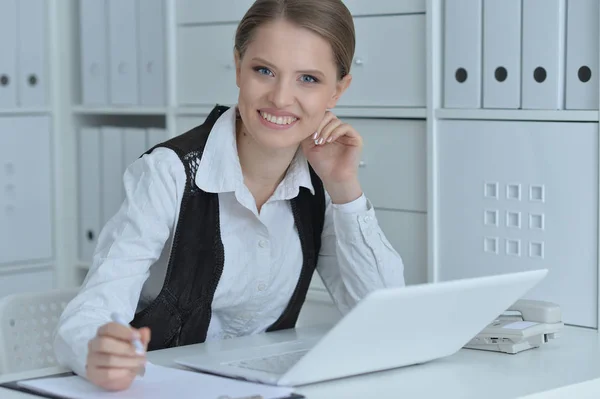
point(308, 79)
point(263, 71)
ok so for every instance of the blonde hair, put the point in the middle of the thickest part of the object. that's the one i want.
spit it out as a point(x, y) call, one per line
point(330, 19)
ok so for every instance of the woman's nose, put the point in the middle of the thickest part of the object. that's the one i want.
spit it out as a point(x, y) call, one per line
point(282, 95)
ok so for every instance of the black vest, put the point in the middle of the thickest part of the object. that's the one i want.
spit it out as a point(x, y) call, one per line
point(181, 313)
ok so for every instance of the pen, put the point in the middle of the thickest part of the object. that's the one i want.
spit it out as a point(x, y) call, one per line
point(139, 348)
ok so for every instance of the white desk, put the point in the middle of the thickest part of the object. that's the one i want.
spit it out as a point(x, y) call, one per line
point(566, 367)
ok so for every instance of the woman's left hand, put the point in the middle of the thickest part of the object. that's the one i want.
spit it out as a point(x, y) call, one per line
point(334, 153)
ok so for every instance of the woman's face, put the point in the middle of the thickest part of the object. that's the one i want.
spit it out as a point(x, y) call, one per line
point(287, 80)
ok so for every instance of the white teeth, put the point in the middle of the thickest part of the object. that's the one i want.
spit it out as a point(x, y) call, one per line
point(281, 120)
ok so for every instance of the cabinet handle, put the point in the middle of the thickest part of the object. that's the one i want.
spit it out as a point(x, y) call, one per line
point(4, 80)
point(358, 61)
point(32, 80)
point(228, 66)
point(149, 67)
point(90, 235)
point(362, 164)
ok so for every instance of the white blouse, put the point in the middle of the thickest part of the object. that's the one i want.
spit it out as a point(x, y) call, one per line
point(263, 257)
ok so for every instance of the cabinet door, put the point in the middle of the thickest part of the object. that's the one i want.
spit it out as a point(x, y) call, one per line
point(389, 64)
point(516, 196)
point(26, 281)
point(407, 233)
point(25, 189)
point(393, 164)
point(205, 65)
point(197, 12)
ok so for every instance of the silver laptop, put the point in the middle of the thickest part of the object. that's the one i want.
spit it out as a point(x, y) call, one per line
point(389, 328)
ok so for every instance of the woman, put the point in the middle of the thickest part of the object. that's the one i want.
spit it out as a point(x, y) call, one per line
point(223, 226)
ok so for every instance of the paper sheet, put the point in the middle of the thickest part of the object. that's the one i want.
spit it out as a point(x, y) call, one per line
point(159, 382)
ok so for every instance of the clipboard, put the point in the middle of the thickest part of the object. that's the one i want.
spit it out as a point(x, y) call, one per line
point(14, 385)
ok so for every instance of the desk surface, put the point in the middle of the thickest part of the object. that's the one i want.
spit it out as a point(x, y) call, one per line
point(564, 366)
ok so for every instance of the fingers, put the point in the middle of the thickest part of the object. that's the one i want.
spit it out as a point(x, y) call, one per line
point(106, 360)
point(333, 129)
point(145, 336)
point(118, 331)
point(110, 345)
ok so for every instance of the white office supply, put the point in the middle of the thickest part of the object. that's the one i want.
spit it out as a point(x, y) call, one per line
point(8, 49)
point(32, 59)
point(462, 53)
point(94, 52)
point(134, 145)
point(123, 52)
point(152, 52)
point(502, 54)
point(159, 382)
point(112, 171)
point(137, 344)
point(537, 323)
point(27, 325)
point(582, 54)
point(139, 347)
point(89, 178)
point(155, 136)
point(462, 307)
point(543, 54)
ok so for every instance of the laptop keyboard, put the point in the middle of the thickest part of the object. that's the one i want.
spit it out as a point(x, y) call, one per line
point(276, 364)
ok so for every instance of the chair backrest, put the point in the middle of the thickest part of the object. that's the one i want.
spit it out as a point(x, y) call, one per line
point(27, 325)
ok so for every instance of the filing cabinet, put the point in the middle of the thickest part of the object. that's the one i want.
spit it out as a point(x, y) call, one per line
point(388, 69)
point(393, 179)
point(26, 193)
point(206, 67)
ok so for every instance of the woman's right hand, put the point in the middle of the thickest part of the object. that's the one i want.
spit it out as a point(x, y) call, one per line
point(112, 363)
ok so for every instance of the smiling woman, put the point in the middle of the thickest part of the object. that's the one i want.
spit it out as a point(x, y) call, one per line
point(224, 226)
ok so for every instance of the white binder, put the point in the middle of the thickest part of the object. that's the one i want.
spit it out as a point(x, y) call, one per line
point(582, 54)
point(112, 171)
point(134, 145)
point(155, 136)
point(543, 54)
point(502, 54)
point(122, 44)
point(462, 54)
point(32, 58)
point(8, 54)
point(94, 52)
point(90, 221)
point(152, 52)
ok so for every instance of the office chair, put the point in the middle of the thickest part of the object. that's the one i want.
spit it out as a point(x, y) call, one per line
point(27, 325)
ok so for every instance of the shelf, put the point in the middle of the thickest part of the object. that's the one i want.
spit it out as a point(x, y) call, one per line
point(518, 115)
point(92, 110)
point(348, 112)
point(24, 111)
point(23, 267)
point(381, 112)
